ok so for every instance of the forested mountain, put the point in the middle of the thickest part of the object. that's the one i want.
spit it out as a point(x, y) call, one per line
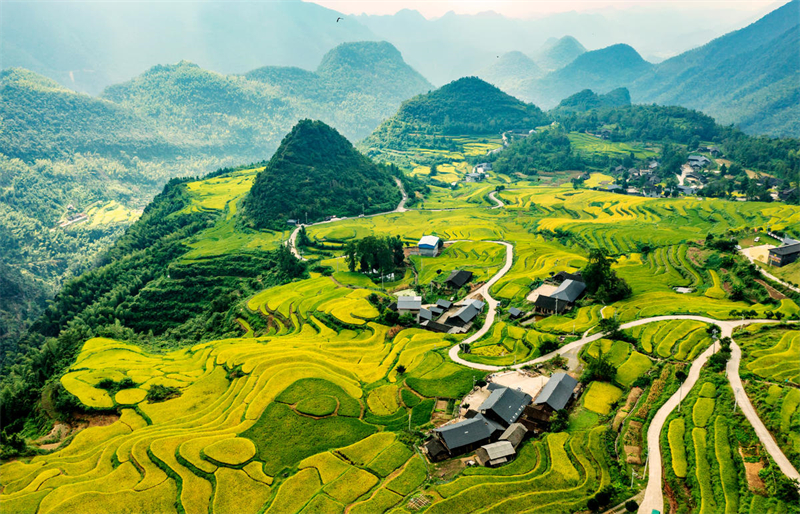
point(588, 99)
point(316, 172)
point(600, 70)
point(91, 164)
point(41, 119)
point(465, 106)
point(554, 149)
point(511, 71)
point(557, 53)
point(750, 77)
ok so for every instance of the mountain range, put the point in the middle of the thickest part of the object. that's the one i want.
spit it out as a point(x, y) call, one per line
point(750, 77)
point(88, 46)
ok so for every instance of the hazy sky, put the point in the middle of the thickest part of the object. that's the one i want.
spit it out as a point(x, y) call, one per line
point(533, 8)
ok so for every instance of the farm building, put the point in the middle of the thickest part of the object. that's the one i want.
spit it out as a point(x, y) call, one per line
point(548, 305)
point(504, 404)
point(409, 304)
point(458, 278)
point(783, 255)
point(436, 311)
point(468, 312)
point(495, 454)
point(569, 291)
point(435, 326)
point(444, 304)
point(476, 177)
point(561, 276)
point(425, 315)
point(556, 395)
point(467, 435)
point(514, 313)
point(482, 167)
point(515, 434)
point(429, 246)
point(698, 161)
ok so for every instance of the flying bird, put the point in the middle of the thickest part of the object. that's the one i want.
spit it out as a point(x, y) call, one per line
point(337, 19)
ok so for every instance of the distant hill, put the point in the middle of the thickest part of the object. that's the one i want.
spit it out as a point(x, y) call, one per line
point(89, 46)
point(557, 53)
point(469, 105)
point(588, 99)
point(750, 77)
point(355, 86)
point(41, 119)
point(599, 70)
point(211, 113)
point(511, 71)
point(316, 172)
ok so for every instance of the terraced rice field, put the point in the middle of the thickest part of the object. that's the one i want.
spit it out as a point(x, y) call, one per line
point(679, 339)
point(482, 259)
point(305, 415)
point(221, 445)
point(586, 143)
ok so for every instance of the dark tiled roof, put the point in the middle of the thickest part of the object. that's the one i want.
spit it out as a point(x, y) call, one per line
point(569, 291)
point(546, 303)
point(506, 403)
point(459, 277)
point(563, 275)
point(436, 311)
point(786, 249)
point(514, 312)
point(464, 315)
point(557, 391)
point(467, 432)
point(425, 314)
point(433, 326)
point(444, 304)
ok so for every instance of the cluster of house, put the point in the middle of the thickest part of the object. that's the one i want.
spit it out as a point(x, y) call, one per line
point(444, 316)
point(570, 288)
point(497, 428)
point(698, 161)
point(786, 253)
point(479, 172)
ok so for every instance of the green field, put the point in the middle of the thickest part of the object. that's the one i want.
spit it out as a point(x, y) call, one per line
point(307, 410)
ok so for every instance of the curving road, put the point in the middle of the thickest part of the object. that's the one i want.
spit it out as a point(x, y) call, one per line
point(496, 200)
point(292, 241)
point(653, 496)
point(492, 306)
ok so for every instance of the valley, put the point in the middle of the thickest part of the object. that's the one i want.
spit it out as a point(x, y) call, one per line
point(560, 286)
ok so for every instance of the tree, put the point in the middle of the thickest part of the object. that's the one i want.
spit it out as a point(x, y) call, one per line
point(601, 281)
point(400, 369)
point(434, 170)
point(599, 369)
point(631, 506)
point(559, 421)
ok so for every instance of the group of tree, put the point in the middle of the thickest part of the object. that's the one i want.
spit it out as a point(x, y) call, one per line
point(601, 281)
point(374, 254)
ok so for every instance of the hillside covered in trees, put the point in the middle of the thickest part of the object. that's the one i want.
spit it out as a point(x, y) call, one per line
point(316, 172)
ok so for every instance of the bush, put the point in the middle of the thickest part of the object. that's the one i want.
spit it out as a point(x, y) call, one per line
point(631, 506)
point(160, 393)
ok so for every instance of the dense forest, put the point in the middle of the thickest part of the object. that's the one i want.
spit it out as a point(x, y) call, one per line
point(315, 173)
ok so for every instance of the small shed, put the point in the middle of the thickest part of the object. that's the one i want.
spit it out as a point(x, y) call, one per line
point(409, 304)
point(514, 434)
point(430, 246)
point(495, 454)
point(514, 313)
point(444, 304)
point(425, 314)
point(458, 278)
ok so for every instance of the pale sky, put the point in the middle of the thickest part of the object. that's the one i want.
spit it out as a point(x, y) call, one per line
point(534, 8)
